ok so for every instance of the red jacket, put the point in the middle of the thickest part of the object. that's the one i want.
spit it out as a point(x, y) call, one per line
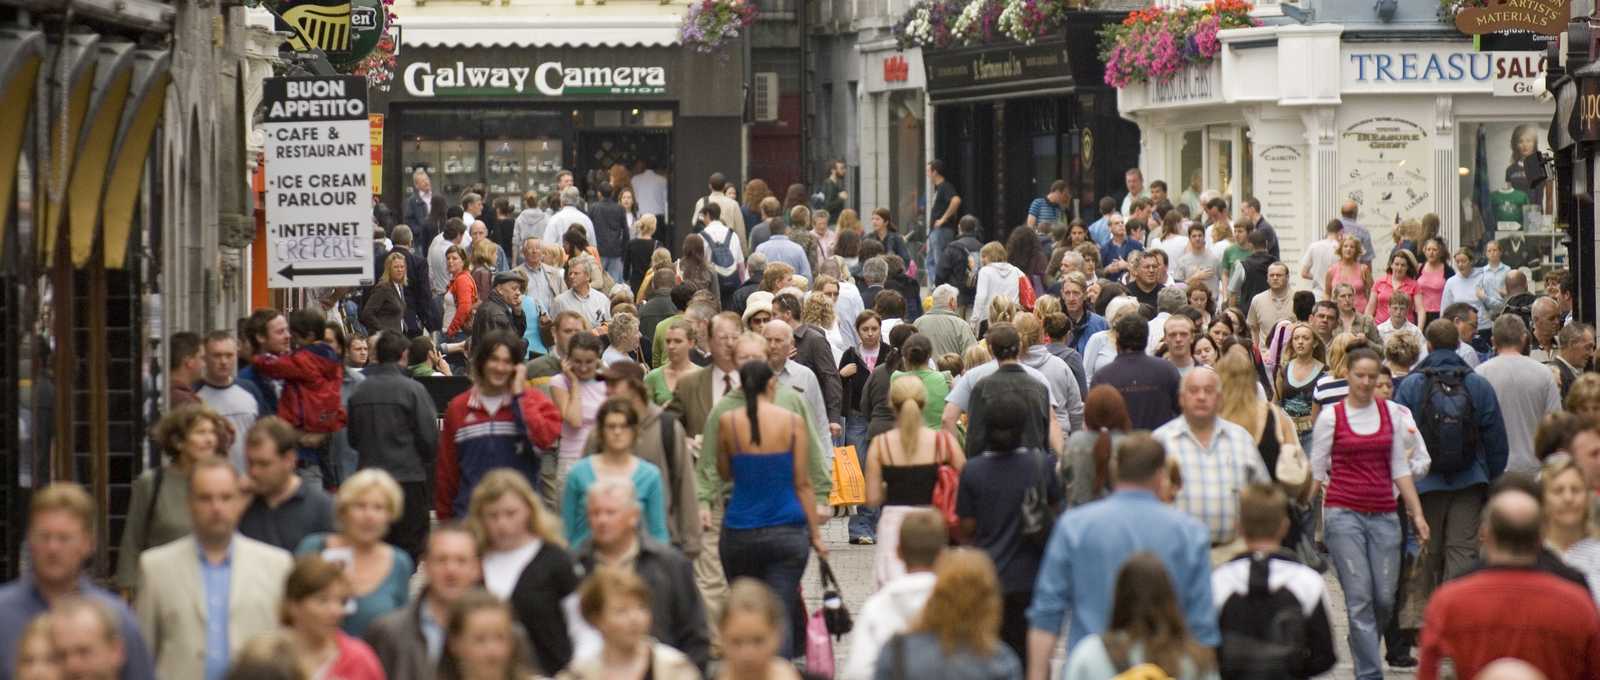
point(312, 377)
point(1525, 614)
point(473, 444)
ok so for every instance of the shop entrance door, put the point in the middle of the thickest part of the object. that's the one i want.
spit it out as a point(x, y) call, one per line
point(599, 150)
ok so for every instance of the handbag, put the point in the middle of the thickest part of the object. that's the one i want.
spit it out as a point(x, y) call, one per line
point(849, 484)
point(819, 647)
point(1025, 293)
point(944, 490)
point(834, 613)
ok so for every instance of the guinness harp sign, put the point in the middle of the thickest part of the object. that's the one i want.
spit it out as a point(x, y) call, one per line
point(346, 30)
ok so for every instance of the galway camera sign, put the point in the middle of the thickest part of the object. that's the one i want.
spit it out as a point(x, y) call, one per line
point(549, 79)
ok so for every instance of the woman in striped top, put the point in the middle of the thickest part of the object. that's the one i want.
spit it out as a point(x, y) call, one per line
point(1362, 529)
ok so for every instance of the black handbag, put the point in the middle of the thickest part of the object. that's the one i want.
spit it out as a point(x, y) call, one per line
point(834, 612)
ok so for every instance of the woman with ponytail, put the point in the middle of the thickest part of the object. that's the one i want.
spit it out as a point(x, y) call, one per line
point(767, 533)
point(903, 467)
point(1088, 461)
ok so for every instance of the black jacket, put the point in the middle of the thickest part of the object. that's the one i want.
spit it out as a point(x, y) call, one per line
point(741, 296)
point(677, 612)
point(495, 314)
point(1255, 277)
point(610, 227)
point(953, 266)
point(419, 299)
point(393, 424)
point(384, 309)
point(550, 577)
point(416, 212)
point(815, 352)
point(909, 289)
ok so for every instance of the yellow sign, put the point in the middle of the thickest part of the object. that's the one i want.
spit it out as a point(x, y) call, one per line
point(325, 25)
point(376, 120)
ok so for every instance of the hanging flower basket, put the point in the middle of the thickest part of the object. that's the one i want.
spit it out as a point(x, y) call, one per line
point(1155, 44)
point(1028, 20)
point(978, 23)
point(378, 66)
point(926, 24)
point(710, 24)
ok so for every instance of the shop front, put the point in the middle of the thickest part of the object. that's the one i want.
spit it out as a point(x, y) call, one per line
point(1304, 118)
point(1011, 119)
point(504, 120)
point(893, 133)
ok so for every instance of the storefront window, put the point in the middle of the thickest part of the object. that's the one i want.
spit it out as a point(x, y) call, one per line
point(906, 157)
point(1221, 174)
point(1247, 185)
point(1505, 196)
point(1191, 167)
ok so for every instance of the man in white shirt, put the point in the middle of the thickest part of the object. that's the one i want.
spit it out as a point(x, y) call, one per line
point(715, 231)
point(454, 234)
point(730, 213)
point(650, 190)
point(556, 227)
point(231, 399)
point(1134, 180)
point(580, 298)
point(1320, 256)
point(1179, 336)
point(1197, 260)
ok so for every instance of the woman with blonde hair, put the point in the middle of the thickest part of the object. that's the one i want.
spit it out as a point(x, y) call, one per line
point(525, 561)
point(639, 253)
point(1569, 523)
point(1101, 349)
point(158, 511)
point(848, 221)
point(484, 254)
point(660, 258)
point(903, 467)
point(997, 278)
point(1243, 404)
point(958, 633)
point(616, 602)
point(314, 598)
point(1583, 398)
point(385, 308)
point(480, 641)
point(1296, 382)
point(1001, 310)
point(1334, 384)
point(1350, 270)
point(379, 573)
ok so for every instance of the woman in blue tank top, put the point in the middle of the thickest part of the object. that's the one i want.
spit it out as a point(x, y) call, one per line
point(767, 534)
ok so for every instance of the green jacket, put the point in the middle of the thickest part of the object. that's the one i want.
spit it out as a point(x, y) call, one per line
point(711, 485)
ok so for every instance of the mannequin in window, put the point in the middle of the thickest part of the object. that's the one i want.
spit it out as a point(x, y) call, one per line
point(1526, 169)
point(1519, 251)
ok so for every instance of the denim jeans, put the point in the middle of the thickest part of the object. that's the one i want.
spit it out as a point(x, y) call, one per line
point(1365, 549)
point(613, 267)
point(777, 557)
point(937, 240)
point(863, 524)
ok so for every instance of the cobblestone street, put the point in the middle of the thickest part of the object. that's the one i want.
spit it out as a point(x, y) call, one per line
point(853, 565)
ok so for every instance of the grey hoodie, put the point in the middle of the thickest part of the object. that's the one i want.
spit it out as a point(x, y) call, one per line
point(1069, 414)
point(530, 224)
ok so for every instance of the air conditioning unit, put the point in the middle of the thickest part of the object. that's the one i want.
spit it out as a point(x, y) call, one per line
point(766, 97)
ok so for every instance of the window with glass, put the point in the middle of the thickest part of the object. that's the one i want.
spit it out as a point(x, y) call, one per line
point(1508, 195)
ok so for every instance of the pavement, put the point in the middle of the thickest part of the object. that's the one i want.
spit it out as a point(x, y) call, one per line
point(852, 564)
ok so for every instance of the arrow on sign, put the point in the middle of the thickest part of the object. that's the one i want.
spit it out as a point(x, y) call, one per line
point(289, 272)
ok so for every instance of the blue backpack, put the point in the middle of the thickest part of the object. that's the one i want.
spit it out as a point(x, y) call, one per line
point(722, 262)
point(1448, 421)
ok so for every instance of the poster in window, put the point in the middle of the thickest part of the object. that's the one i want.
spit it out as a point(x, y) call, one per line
point(1386, 167)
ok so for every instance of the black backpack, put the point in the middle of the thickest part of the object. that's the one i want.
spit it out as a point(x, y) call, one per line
point(1264, 631)
point(1448, 421)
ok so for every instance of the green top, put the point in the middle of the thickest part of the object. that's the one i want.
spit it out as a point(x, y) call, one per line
point(1233, 254)
point(710, 482)
point(937, 386)
point(658, 342)
point(655, 382)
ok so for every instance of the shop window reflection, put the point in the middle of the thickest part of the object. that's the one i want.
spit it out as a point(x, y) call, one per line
point(1507, 197)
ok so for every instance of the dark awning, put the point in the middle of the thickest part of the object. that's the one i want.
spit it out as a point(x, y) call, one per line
point(21, 53)
point(998, 71)
point(146, 102)
point(113, 78)
point(70, 66)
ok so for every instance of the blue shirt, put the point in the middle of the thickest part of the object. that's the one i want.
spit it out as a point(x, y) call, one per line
point(1100, 231)
point(432, 632)
point(21, 602)
point(1111, 252)
point(1044, 211)
point(1493, 451)
point(217, 582)
point(1089, 545)
point(778, 248)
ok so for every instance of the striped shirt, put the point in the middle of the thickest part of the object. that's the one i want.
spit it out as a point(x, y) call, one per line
point(1044, 211)
point(1213, 475)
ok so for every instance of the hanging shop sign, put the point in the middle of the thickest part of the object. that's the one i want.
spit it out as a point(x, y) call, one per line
point(376, 121)
point(318, 182)
point(1385, 166)
point(346, 30)
point(996, 69)
point(549, 79)
point(1543, 17)
point(1517, 74)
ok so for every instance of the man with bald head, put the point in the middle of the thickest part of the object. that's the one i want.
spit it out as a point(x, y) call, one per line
point(790, 373)
point(1348, 212)
point(678, 616)
point(1511, 608)
point(1546, 313)
point(1219, 459)
point(87, 639)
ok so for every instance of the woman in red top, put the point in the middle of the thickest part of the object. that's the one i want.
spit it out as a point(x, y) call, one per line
point(1401, 280)
point(1362, 530)
point(1430, 280)
point(1349, 270)
point(313, 605)
point(463, 292)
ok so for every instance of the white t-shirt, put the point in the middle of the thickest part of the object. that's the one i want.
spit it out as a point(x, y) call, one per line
point(1320, 257)
point(502, 569)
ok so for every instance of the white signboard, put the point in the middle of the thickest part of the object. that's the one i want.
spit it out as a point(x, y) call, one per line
point(318, 175)
point(1386, 167)
point(1516, 74)
point(1280, 185)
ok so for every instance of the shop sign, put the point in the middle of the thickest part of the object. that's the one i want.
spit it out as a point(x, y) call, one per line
point(549, 79)
point(896, 70)
point(1544, 17)
point(346, 30)
point(1385, 166)
point(1516, 74)
point(318, 177)
point(1587, 110)
point(1191, 85)
point(1280, 183)
point(376, 122)
point(995, 66)
point(1443, 69)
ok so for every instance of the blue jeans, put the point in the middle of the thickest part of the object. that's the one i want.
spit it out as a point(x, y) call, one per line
point(613, 267)
point(777, 557)
point(937, 240)
point(863, 524)
point(1365, 549)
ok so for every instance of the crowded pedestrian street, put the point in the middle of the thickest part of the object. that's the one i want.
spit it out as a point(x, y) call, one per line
point(799, 340)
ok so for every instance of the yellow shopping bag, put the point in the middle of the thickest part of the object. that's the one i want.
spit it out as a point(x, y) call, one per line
point(849, 485)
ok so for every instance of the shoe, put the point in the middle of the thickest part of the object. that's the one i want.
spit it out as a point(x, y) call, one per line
point(863, 540)
point(1403, 663)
